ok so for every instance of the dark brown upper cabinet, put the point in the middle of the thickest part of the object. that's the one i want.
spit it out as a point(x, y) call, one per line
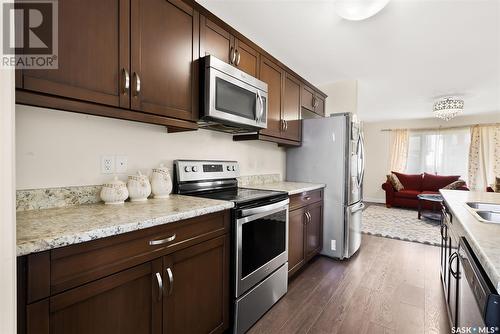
point(313, 100)
point(215, 41)
point(93, 54)
point(273, 75)
point(219, 42)
point(291, 124)
point(164, 50)
point(246, 58)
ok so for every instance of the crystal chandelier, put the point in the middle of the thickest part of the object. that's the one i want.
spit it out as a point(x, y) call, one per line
point(448, 107)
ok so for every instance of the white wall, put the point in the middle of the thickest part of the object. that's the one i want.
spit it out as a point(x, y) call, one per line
point(342, 96)
point(56, 148)
point(7, 206)
point(378, 142)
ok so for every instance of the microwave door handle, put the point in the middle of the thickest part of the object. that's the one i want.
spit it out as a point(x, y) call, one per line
point(261, 102)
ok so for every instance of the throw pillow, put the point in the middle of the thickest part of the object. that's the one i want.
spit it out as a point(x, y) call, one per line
point(455, 185)
point(394, 181)
point(497, 185)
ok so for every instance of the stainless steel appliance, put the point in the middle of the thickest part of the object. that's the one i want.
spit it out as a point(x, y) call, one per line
point(478, 304)
point(233, 101)
point(471, 298)
point(259, 235)
point(332, 152)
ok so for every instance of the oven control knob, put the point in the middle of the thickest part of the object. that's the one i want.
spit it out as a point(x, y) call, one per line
point(187, 169)
point(194, 168)
point(228, 168)
point(234, 168)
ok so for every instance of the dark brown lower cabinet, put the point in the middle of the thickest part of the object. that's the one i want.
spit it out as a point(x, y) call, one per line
point(305, 229)
point(128, 302)
point(180, 286)
point(196, 300)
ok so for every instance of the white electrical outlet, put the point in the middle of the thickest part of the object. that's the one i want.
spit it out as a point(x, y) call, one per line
point(334, 245)
point(107, 164)
point(121, 162)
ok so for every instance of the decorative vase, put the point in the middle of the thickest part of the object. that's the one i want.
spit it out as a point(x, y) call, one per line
point(139, 187)
point(161, 182)
point(114, 192)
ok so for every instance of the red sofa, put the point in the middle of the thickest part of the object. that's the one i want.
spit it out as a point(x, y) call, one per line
point(415, 184)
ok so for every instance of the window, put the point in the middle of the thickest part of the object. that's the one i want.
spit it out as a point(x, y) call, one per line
point(442, 152)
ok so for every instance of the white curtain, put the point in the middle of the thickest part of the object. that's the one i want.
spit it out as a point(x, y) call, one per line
point(484, 156)
point(399, 150)
point(441, 151)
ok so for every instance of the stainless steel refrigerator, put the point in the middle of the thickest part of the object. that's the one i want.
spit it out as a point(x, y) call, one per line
point(332, 152)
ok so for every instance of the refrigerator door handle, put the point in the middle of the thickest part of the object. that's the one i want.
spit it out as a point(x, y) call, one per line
point(358, 207)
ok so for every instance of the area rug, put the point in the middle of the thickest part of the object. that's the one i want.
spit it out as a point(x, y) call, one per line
point(400, 224)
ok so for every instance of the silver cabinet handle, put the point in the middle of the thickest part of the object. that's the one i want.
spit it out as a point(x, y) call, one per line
point(314, 102)
point(308, 217)
point(126, 81)
point(162, 241)
point(137, 84)
point(232, 56)
point(238, 57)
point(307, 198)
point(160, 285)
point(170, 281)
point(286, 125)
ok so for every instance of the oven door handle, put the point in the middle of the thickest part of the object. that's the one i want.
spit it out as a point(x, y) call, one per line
point(261, 211)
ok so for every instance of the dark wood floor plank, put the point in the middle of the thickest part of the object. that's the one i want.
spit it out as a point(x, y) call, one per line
point(390, 286)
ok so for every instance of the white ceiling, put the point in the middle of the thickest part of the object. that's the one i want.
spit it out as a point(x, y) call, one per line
point(409, 53)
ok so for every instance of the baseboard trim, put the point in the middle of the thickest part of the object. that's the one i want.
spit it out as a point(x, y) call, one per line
point(374, 200)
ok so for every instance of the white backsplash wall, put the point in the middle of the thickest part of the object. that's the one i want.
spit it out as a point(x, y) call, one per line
point(58, 149)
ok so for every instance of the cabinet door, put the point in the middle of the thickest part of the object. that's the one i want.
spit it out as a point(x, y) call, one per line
point(291, 108)
point(197, 288)
point(215, 41)
point(319, 107)
point(272, 74)
point(128, 302)
point(314, 229)
point(307, 98)
point(164, 47)
point(247, 58)
point(93, 53)
point(296, 227)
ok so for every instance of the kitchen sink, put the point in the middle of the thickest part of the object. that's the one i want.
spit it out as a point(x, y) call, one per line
point(484, 206)
point(489, 216)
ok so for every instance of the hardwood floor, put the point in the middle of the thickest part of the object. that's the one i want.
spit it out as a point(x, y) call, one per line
point(390, 286)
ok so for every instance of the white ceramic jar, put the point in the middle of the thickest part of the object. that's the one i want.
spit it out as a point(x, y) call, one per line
point(114, 192)
point(161, 182)
point(139, 187)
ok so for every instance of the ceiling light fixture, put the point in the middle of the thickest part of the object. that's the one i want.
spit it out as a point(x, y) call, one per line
point(356, 10)
point(448, 107)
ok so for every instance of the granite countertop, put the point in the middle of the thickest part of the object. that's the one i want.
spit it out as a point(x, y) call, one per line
point(290, 187)
point(39, 230)
point(484, 238)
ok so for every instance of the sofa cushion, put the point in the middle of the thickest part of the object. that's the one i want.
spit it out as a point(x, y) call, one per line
point(394, 181)
point(407, 193)
point(435, 182)
point(455, 185)
point(410, 181)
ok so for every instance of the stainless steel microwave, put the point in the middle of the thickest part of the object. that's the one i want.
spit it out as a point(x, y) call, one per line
point(233, 101)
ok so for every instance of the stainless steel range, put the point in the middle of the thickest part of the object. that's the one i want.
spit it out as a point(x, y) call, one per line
point(259, 235)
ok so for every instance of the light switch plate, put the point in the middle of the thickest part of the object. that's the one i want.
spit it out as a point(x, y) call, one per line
point(107, 164)
point(121, 162)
